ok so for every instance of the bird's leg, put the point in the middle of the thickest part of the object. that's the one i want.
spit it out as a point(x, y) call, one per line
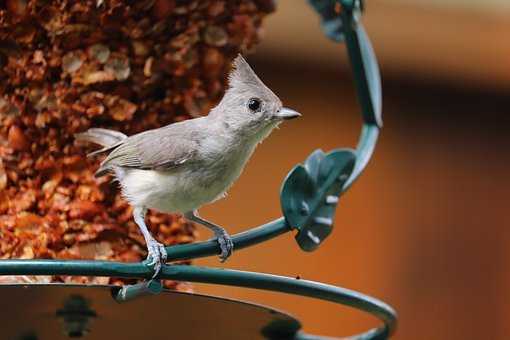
point(223, 238)
point(156, 251)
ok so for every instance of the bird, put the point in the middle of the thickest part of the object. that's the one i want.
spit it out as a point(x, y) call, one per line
point(183, 166)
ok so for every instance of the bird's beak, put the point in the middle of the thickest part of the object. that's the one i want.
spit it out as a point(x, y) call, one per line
point(286, 113)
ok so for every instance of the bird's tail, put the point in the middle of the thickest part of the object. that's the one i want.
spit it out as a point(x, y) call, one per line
point(108, 139)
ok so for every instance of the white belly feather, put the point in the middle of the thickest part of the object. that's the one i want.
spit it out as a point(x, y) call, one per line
point(187, 187)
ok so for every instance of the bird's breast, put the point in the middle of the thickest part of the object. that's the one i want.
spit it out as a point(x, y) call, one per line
point(224, 168)
point(190, 185)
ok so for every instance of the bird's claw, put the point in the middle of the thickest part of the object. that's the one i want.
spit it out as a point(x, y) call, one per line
point(226, 244)
point(156, 256)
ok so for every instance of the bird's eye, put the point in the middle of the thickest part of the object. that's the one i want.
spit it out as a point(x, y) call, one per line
point(254, 104)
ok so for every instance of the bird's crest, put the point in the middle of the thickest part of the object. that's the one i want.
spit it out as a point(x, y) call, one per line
point(242, 73)
point(242, 78)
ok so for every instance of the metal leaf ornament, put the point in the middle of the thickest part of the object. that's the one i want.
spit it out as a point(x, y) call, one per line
point(310, 194)
point(331, 22)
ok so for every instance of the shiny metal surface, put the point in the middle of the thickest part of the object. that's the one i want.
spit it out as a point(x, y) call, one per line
point(35, 312)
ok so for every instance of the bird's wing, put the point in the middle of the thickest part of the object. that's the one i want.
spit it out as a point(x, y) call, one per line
point(159, 149)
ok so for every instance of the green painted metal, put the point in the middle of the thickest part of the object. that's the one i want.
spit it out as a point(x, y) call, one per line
point(364, 150)
point(220, 276)
point(309, 197)
point(242, 240)
point(364, 66)
point(310, 194)
point(130, 292)
point(332, 24)
point(292, 286)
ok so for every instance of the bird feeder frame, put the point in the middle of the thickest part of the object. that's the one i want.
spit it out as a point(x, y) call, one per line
point(309, 197)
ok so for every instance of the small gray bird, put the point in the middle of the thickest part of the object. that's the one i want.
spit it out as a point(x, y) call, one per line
point(182, 166)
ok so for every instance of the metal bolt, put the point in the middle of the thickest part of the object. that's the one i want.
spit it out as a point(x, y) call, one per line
point(325, 221)
point(312, 237)
point(331, 199)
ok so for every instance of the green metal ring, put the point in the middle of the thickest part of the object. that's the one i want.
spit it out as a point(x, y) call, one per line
point(227, 277)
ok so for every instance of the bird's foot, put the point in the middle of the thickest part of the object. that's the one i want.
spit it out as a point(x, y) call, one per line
point(156, 256)
point(226, 243)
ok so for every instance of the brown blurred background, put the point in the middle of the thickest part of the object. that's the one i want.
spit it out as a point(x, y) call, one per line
point(426, 227)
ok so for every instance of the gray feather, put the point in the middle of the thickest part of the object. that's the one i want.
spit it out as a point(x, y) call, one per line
point(159, 149)
point(103, 137)
point(109, 139)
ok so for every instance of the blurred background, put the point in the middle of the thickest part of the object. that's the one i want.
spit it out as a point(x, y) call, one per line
point(426, 227)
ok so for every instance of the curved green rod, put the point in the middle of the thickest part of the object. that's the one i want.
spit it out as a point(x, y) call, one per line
point(291, 286)
point(215, 276)
point(242, 240)
point(364, 150)
point(75, 268)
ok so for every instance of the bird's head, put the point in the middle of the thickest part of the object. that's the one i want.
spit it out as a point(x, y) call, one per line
point(248, 106)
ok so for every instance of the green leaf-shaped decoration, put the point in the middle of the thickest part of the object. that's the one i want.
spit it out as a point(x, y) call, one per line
point(310, 194)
